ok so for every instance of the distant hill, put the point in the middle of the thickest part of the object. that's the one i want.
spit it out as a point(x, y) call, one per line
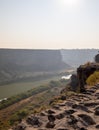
point(76, 57)
point(19, 63)
point(24, 64)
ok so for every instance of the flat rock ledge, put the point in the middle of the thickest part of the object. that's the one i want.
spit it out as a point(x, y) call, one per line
point(79, 112)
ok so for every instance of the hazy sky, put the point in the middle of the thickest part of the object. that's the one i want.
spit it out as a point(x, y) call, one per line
point(49, 24)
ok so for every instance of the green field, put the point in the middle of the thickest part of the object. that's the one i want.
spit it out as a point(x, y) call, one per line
point(19, 87)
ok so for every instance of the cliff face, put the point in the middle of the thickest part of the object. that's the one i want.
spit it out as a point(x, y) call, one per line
point(84, 71)
point(77, 57)
point(21, 63)
point(36, 60)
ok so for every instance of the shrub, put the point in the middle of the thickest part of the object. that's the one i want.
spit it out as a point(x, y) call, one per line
point(54, 83)
point(93, 78)
point(17, 117)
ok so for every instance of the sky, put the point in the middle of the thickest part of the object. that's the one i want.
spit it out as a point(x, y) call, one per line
point(49, 24)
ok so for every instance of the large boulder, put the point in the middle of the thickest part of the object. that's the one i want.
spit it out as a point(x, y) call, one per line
point(84, 71)
point(74, 82)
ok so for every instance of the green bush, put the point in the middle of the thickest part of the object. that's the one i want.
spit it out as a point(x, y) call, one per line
point(54, 83)
point(93, 78)
point(17, 117)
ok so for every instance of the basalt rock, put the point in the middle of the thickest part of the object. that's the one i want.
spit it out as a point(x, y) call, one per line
point(50, 125)
point(20, 127)
point(84, 71)
point(33, 120)
point(51, 118)
point(62, 129)
point(97, 58)
point(81, 107)
point(97, 126)
point(82, 128)
point(90, 104)
point(97, 111)
point(72, 120)
point(74, 82)
point(63, 97)
point(60, 116)
point(50, 112)
point(87, 119)
point(71, 114)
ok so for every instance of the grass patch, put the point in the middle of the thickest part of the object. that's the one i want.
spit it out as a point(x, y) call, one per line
point(93, 78)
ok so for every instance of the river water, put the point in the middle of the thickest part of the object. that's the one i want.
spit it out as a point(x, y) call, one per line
point(66, 77)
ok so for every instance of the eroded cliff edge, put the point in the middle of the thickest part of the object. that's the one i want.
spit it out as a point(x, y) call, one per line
point(84, 71)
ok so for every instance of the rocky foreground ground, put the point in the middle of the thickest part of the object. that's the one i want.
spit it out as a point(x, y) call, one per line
point(79, 112)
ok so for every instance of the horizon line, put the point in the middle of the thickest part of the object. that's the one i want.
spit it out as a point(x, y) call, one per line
point(49, 48)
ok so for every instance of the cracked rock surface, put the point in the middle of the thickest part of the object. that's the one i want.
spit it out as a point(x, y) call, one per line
point(79, 112)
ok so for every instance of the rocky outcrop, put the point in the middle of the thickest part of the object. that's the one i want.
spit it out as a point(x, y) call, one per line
point(78, 112)
point(97, 58)
point(77, 57)
point(33, 120)
point(84, 71)
point(74, 82)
